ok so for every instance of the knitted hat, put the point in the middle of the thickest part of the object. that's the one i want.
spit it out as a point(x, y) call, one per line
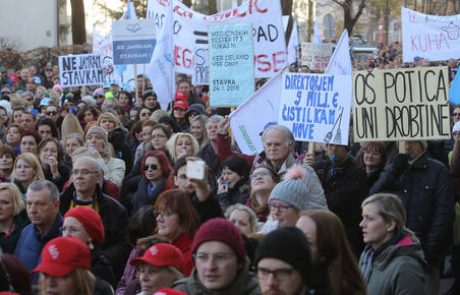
point(62, 255)
point(293, 189)
point(99, 131)
point(289, 245)
point(237, 164)
point(160, 255)
point(221, 230)
point(196, 108)
point(91, 221)
point(99, 92)
point(89, 100)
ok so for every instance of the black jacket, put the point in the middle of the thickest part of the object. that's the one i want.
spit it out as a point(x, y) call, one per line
point(345, 187)
point(426, 188)
point(115, 219)
point(141, 197)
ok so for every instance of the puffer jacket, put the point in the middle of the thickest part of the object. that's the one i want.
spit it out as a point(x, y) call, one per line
point(427, 190)
point(238, 194)
point(244, 284)
point(399, 268)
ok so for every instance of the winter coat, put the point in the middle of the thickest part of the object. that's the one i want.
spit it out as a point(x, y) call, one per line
point(102, 288)
point(115, 219)
point(118, 139)
point(31, 243)
point(8, 244)
point(114, 170)
point(244, 284)
point(184, 244)
point(426, 188)
point(141, 197)
point(207, 209)
point(345, 187)
point(64, 174)
point(238, 194)
point(397, 269)
point(129, 280)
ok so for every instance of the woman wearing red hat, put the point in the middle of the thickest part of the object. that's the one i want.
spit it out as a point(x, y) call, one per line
point(65, 269)
point(160, 266)
point(86, 225)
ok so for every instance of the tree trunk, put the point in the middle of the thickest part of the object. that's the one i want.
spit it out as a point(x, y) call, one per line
point(78, 22)
point(187, 3)
point(286, 8)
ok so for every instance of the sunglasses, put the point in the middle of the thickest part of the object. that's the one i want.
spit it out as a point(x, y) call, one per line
point(153, 167)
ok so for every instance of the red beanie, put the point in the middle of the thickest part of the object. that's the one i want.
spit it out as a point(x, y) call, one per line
point(221, 230)
point(91, 221)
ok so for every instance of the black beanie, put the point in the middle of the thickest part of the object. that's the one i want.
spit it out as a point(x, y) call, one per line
point(237, 164)
point(290, 245)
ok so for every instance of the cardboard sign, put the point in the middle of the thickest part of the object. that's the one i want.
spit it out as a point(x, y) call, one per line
point(432, 37)
point(232, 64)
point(401, 104)
point(316, 107)
point(316, 56)
point(133, 41)
point(81, 70)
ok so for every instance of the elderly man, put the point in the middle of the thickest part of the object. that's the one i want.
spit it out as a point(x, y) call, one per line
point(284, 262)
point(85, 191)
point(427, 190)
point(42, 205)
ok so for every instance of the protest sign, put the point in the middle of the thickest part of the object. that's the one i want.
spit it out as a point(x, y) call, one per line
point(401, 104)
point(102, 45)
point(316, 56)
point(257, 112)
point(432, 37)
point(201, 66)
point(191, 28)
point(316, 107)
point(133, 41)
point(232, 64)
point(81, 70)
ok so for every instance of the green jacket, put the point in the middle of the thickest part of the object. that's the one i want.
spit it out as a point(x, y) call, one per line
point(244, 284)
point(398, 269)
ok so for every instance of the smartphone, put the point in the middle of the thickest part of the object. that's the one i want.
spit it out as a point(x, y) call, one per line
point(196, 169)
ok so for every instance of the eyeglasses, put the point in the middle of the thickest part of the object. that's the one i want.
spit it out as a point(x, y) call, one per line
point(163, 215)
point(83, 172)
point(158, 136)
point(281, 274)
point(218, 257)
point(455, 114)
point(259, 174)
point(51, 113)
point(153, 167)
point(281, 208)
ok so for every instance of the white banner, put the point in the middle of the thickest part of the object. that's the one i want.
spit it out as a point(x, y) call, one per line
point(191, 29)
point(340, 62)
point(251, 118)
point(316, 108)
point(81, 70)
point(161, 68)
point(432, 37)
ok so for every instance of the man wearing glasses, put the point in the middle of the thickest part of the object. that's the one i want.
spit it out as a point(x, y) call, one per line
point(284, 263)
point(85, 191)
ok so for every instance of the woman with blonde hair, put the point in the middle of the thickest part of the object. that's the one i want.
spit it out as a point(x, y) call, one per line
point(27, 169)
point(243, 218)
point(336, 270)
point(198, 129)
point(393, 260)
point(12, 221)
point(181, 144)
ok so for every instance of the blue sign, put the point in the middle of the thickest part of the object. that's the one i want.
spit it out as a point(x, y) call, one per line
point(133, 41)
point(231, 60)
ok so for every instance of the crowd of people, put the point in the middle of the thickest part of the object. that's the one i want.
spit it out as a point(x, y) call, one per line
point(103, 192)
